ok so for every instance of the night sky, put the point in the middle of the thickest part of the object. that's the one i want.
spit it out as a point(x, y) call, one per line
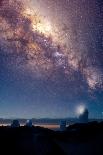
point(51, 58)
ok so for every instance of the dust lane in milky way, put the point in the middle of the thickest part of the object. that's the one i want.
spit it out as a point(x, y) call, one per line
point(51, 62)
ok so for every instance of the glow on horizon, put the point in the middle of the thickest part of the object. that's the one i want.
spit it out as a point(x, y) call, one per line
point(80, 109)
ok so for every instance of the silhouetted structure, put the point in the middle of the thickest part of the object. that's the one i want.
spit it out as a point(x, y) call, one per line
point(83, 118)
point(15, 124)
point(63, 125)
point(29, 123)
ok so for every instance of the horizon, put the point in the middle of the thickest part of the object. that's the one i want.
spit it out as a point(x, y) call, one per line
point(49, 118)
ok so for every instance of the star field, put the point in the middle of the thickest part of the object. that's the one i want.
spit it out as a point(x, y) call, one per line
point(51, 57)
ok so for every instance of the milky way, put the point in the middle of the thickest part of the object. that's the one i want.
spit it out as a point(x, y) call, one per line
point(50, 57)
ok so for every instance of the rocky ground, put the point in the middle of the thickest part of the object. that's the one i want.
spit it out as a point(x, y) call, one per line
point(78, 139)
